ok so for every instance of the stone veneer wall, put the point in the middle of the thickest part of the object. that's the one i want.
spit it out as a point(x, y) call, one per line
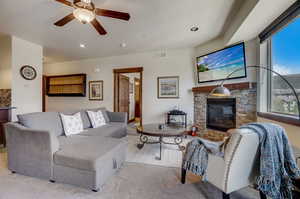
point(5, 97)
point(246, 109)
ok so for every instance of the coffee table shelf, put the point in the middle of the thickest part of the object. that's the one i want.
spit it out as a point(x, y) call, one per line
point(153, 130)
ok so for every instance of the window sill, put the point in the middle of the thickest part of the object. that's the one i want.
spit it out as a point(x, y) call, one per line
point(280, 118)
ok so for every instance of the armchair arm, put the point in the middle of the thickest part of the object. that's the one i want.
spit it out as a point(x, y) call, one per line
point(215, 171)
point(241, 159)
point(30, 151)
point(117, 117)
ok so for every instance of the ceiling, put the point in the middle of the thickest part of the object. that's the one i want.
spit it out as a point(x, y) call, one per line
point(251, 27)
point(154, 25)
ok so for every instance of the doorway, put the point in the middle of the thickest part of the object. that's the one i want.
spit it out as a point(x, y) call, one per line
point(128, 92)
point(124, 98)
point(137, 100)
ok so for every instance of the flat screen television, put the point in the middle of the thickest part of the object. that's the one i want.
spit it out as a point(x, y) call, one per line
point(218, 65)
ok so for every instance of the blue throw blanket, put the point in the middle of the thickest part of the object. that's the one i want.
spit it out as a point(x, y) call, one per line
point(195, 158)
point(277, 163)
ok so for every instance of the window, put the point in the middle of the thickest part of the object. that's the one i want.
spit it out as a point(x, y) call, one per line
point(284, 51)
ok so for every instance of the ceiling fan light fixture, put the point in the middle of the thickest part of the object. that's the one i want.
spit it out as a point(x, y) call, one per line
point(84, 15)
point(85, 12)
point(86, 1)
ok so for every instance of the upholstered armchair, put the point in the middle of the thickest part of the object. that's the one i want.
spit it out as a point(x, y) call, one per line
point(239, 167)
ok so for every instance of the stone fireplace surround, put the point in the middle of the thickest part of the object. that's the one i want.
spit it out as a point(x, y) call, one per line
point(246, 98)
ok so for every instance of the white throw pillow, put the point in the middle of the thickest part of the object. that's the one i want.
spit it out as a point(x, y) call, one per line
point(97, 118)
point(72, 123)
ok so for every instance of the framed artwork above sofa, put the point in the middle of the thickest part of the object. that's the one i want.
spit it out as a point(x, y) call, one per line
point(96, 90)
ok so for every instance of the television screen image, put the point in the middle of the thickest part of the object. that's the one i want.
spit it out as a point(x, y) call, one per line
point(218, 65)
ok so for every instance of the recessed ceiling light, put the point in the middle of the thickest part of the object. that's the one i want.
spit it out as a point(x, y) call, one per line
point(194, 29)
point(82, 46)
point(123, 45)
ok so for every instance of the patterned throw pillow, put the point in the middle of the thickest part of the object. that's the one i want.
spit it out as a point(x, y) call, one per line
point(72, 123)
point(97, 118)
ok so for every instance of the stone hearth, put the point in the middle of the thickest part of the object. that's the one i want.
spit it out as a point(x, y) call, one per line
point(245, 94)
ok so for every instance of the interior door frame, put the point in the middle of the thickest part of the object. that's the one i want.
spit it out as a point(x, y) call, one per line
point(127, 79)
point(44, 93)
point(137, 80)
point(117, 73)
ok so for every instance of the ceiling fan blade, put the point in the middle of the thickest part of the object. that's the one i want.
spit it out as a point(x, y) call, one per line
point(65, 2)
point(65, 20)
point(98, 27)
point(113, 14)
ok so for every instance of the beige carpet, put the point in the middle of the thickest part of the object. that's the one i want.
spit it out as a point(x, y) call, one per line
point(171, 155)
point(134, 181)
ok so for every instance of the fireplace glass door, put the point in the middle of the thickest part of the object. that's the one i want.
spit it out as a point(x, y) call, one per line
point(221, 113)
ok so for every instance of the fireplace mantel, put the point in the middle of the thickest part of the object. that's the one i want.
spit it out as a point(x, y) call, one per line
point(234, 86)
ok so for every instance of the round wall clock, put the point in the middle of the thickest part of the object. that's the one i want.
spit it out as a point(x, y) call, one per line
point(28, 72)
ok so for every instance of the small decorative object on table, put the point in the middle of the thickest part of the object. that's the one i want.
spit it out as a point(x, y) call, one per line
point(173, 115)
point(194, 130)
point(161, 126)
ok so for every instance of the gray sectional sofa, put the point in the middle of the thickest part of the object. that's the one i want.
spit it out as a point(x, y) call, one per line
point(38, 147)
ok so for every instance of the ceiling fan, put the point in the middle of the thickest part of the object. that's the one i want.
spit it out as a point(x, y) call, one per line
point(86, 12)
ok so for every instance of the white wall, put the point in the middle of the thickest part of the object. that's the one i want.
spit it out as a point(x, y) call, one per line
point(5, 62)
point(175, 63)
point(26, 95)
point(252, 58)
point(262, 102)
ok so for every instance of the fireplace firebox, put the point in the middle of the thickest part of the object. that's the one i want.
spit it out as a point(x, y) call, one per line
point(221, 113)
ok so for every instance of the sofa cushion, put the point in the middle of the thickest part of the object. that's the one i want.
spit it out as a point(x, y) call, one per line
point(104, 112)
point(112, 129)
point(47, 121)
point(97, 119)
point(72, 124)
point(85, 118)
point(86, 152)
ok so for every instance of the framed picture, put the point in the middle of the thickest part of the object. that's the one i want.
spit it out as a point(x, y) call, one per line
point(168, 87)
point(96, 90)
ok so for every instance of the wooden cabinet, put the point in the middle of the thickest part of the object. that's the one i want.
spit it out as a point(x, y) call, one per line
point(66, 85)
point(5, 117)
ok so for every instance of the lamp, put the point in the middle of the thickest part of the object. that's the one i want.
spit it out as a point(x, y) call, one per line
point(84, 15)
point(221, 91)
point(84, 11)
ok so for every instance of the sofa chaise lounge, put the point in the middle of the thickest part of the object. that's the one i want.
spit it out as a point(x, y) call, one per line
point(37, 147)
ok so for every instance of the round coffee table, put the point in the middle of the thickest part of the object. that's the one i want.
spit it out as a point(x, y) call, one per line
point(168, 131)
